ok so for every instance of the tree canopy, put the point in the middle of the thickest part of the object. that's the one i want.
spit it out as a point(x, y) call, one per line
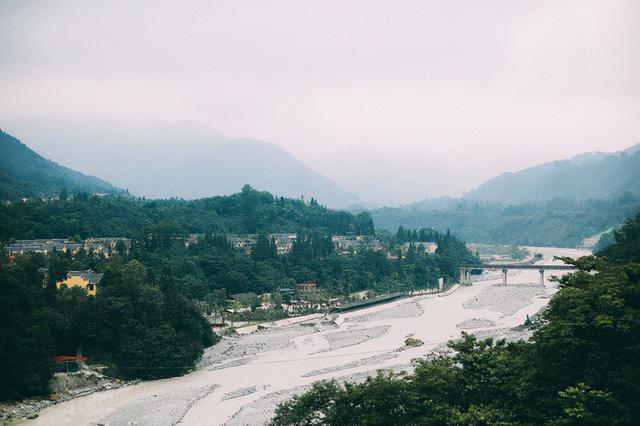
point(248, 211)
point(581, 367)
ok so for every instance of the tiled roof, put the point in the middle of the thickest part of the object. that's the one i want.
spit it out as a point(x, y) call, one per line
point(87, 275)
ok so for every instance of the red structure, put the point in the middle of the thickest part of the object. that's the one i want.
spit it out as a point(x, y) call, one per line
point(67, 363)
point(305, 289)
point(63, 358)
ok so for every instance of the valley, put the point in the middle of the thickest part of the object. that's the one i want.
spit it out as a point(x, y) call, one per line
point(241, 379)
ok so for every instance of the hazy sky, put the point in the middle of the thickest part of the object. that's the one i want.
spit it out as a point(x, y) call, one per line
point(395, 100)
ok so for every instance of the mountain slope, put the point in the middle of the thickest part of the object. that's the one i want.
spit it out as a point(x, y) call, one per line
point(590, 175)
point(182, 159)
point(24, 173)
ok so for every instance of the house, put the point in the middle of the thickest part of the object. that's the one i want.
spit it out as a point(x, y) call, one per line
point(243, 243)
point(97, 246)
point(307, 289)
point(284, 242)
point(345, 243)
point(427, 247)
point(86, 279)
point(43, 246)
point(105, 246)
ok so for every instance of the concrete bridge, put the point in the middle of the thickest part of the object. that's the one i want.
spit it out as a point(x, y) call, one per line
point(465, 270)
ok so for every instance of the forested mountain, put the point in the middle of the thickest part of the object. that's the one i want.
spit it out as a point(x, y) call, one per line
point(184, 159)
point(248, 211)
point(594, 175)
point(559, 222)
point(24, 173)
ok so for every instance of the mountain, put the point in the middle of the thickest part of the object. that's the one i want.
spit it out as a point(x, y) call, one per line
point(183, 159)
point(595, 175)
point(24, 173)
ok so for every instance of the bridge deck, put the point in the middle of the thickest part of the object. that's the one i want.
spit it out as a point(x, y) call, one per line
point(520, 266)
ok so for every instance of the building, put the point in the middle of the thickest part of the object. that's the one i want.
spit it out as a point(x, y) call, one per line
point(347, 243)
point(283, 242)
point(44, 246)
point(286, 291)
point(243, 243)
point(427, 247)
point(96, 246)
point(307, 289)
point(105, 246)
point(86, 279)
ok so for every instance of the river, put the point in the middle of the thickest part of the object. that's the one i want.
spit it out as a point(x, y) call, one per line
point(241, 380)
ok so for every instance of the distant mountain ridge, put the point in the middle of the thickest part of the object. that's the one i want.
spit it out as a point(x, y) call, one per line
point(595, 175)
point(24, 173)
point(182, 159)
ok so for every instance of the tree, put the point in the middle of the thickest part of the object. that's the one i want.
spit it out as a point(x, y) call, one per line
point(627, 243)
point(264, 248)
point(25, 331)
point(582, 366)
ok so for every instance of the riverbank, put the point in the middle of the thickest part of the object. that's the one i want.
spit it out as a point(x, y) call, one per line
point(241, 380)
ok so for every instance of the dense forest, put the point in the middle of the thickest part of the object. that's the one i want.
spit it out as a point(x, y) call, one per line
point(581, 367)
point(248, 211)
point(146, 317)
point(137, 324)
point(213, 264)
point(555, 223)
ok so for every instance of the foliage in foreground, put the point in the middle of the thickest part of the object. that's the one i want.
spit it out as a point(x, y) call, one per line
point(581, 367)
point(626, 248)
point(137, 324)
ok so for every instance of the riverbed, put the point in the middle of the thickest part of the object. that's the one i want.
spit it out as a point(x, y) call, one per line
point(241, 380)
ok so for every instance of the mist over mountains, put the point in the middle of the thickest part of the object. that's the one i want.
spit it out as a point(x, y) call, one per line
point(183, 159)
point(559, 203)
point(24, 173)
point(595, 175)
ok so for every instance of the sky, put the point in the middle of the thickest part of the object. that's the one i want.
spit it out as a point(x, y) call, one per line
point(396, 101)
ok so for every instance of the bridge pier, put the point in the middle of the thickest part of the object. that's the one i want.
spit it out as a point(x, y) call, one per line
point(465, 270)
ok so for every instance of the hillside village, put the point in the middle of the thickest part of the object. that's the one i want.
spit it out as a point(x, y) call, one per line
point(94, 246)
point(105, 246)
point(234, 309)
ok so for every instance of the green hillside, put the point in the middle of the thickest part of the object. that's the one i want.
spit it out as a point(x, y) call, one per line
point(557, 223)
point(594, 175)
point(24, 173)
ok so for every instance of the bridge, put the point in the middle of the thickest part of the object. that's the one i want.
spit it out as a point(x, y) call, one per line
point(465, 270)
